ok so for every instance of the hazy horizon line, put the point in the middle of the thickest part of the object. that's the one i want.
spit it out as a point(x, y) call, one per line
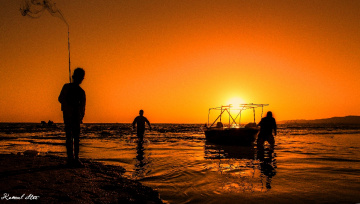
point(280, 121)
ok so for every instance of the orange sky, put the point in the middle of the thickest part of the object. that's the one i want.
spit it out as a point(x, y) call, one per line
point(176, 59)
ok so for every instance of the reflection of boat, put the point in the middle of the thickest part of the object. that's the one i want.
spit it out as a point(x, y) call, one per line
point(216, 151)
point(233, 132)
point(232, 157)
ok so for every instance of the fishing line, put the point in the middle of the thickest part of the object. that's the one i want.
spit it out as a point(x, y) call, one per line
point(35, 8)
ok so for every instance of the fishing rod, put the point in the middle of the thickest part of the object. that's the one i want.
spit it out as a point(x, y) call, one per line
point(69, 53)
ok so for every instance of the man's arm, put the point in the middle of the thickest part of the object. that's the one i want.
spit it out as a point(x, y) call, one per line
point(62, 96)
point(147, 121)
point(134, 122)
point(82, 106)
point(275, 127)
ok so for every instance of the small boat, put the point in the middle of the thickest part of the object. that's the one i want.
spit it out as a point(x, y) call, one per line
point(233, 133)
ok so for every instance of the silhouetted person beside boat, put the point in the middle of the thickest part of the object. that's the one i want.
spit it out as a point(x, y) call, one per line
point(267, 126)
point(72, 98)
point(140, 121)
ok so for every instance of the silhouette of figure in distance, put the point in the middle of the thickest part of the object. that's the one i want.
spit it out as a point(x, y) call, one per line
point(140, 121)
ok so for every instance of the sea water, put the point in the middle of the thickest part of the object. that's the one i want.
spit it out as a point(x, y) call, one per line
point(310, 163)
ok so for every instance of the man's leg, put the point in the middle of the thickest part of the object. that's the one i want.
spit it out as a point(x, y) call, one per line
point(69, 136)
point(69, 142)
point(271, 141)
point(260, 143)
point(140, 134)
point(76, 133)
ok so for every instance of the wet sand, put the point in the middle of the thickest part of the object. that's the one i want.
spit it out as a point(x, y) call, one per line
point(49, 180)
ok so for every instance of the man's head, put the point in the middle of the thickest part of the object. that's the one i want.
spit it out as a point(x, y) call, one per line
point(141, 112)
point(78, 75)
point(269, 114)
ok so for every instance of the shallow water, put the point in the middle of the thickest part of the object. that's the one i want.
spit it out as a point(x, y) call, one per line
point(318, 164)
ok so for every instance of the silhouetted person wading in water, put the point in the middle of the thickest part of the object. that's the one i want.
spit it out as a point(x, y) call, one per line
point(267, 125)
point(140, 123)
point(72, 98)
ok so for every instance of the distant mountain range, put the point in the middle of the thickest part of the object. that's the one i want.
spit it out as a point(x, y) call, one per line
point(339, 120)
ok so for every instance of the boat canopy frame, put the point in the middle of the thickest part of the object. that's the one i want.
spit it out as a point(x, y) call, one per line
point(239, 108)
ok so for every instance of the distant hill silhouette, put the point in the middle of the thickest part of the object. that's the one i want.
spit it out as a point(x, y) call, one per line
point(338, 120)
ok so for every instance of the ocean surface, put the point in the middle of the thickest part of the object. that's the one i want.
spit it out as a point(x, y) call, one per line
point(310, 163)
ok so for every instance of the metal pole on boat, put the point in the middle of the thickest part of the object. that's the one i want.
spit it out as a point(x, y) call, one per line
point(209, 116)
point(240, 118)
point(229, 115)
point(221, 113)
point(254, 114)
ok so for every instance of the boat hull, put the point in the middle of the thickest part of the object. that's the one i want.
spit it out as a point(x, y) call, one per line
point(238, 136)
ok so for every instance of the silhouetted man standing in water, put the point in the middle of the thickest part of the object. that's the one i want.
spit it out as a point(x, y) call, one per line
point(267, 125)
point(72, 98)
point(140, 123)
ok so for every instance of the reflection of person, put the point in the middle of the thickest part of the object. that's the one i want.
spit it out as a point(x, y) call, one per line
point(267, 165)
point(140, 121)
point(140, 160)
point(72, 98)
point(267, 125)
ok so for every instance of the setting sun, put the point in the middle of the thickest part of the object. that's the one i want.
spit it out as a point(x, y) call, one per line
point(235, 101)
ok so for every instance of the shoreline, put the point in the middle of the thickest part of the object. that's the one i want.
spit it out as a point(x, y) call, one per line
point(49, 180)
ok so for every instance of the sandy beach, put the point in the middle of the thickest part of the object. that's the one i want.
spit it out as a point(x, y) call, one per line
point(49, 180)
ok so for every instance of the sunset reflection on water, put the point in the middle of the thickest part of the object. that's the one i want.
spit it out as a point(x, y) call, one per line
point(178, 162)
